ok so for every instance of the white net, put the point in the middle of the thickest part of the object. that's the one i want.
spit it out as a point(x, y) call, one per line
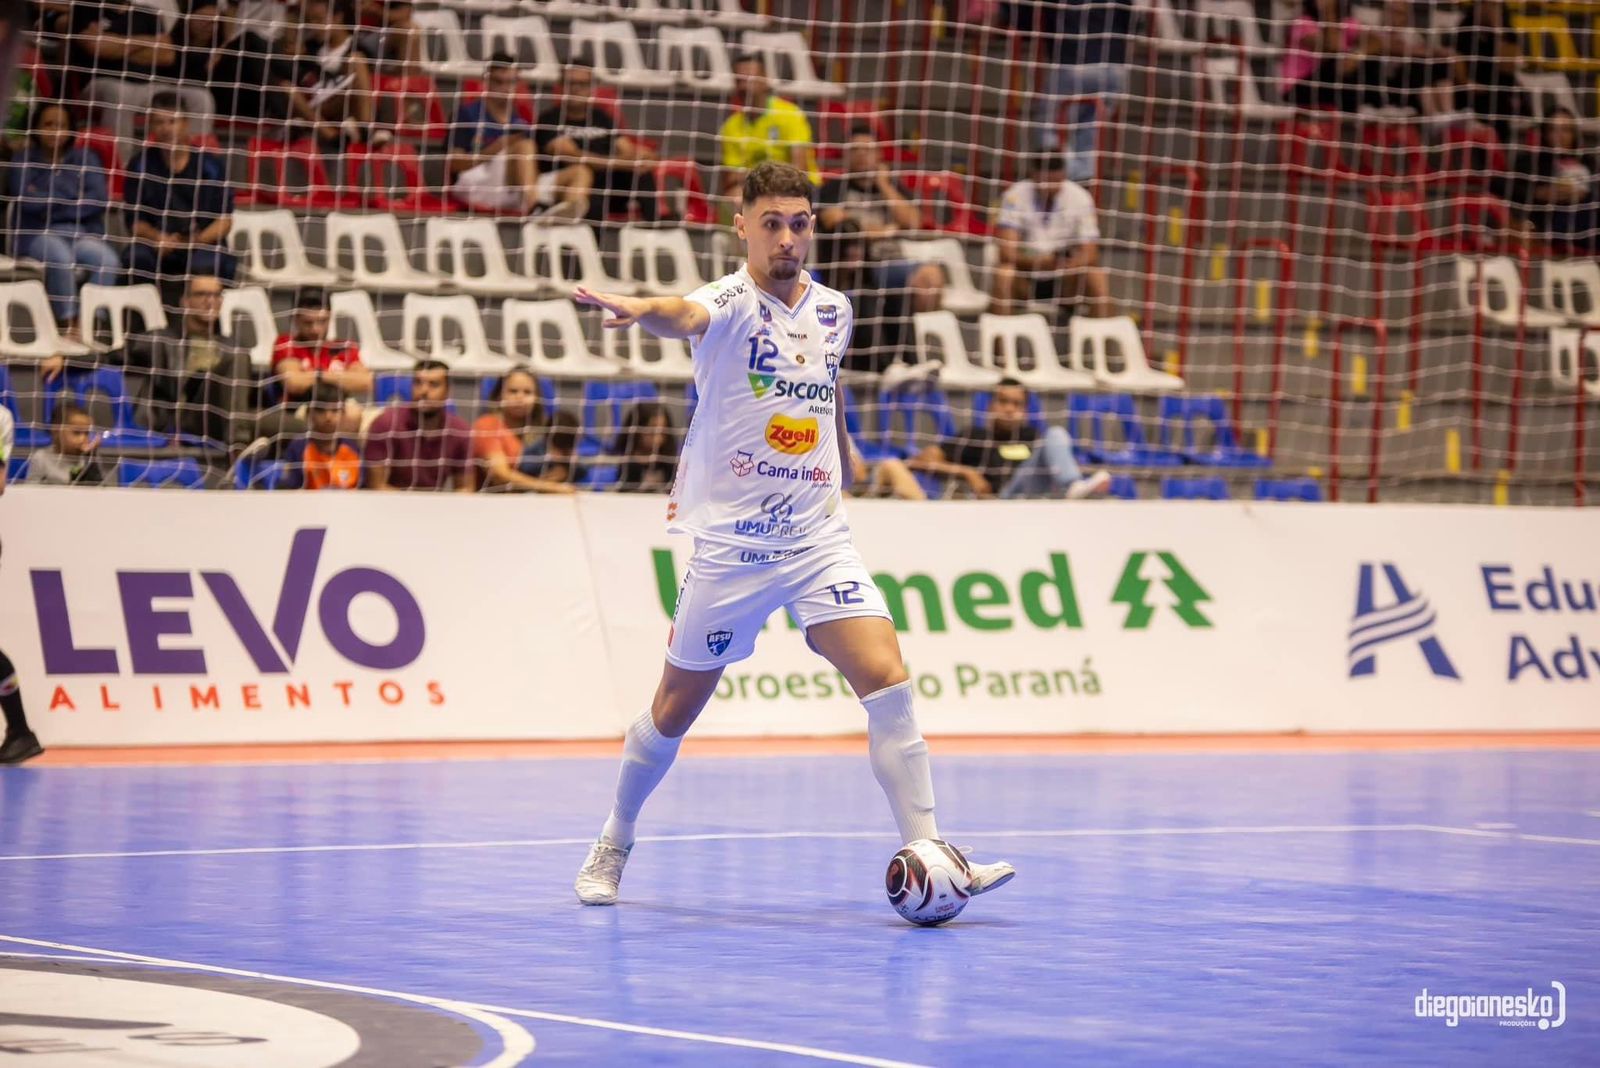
point(1235, 248)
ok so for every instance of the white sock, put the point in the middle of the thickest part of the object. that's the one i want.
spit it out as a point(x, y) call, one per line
point(646, 756)
point(900, 760)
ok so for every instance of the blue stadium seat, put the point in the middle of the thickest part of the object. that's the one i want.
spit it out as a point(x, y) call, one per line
point(1124, 487)
point(1288, 489)
point(387, 389)
point(183, 471)
point(1178, 415)
point(27, 435)
point(902, 409)
point(16, 468)
point(599, 476)
point(258, 474)
point(602, 393)
point(1194, 489)
point(125, 432)
point(1135, 450)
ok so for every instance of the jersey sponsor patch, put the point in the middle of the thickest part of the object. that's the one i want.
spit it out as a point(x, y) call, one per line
point(828, 314)
point(742, 463)
point(792, 436)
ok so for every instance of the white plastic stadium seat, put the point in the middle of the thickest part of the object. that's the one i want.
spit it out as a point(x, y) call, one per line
point(1499, 276)
point(355, 307)
point(642, 10)
point(1562, 282)
point(959, 294)
point(553, 243)
point(652, 246)
point(1551, 89)
point(471, 354)
point(116, 302)
point(1089, 343)
point(253, 303)
point(596, 42)
point(1000, 339)
point(1233, 21)
point(788, 52)
point(957, 370)
point(458, 236)
point(509, 34)
point(570, 358)
point(1225, 84)
point(727, 13)
point(30, 296)
point(361, 233)
point(247, 239)
point(672, 363)
point(1567, 344)
point(444, 27)
point(1173, 30)
point(679, 49)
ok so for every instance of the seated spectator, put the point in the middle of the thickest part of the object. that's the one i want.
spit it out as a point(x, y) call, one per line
point(1552, 189)
point(118, 39)
point(558, 456)
point(390, 37)
point(179, 204)
point(1006, 458)
point(249, 74)
point(421, 445)
point(334, 74)
point(1491, 54)
point(70, 459)
point(60, 189)
point(322, 458)
point(868, 194)
point(1048, 239)
point(494, 159)
point(508, 442)
point(304, 358)
point(649, 449)
point(1086, 55)
point(888, 477)
point(195, 380)
point(763, 127)
point(578, 130)
point(1416, 74)
point(1331, 60)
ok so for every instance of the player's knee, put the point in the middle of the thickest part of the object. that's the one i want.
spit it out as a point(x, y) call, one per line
point(880, 675)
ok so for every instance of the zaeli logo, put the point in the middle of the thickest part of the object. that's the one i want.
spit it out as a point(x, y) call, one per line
point(1408, 619)
point(272, 652)
point(793, 437)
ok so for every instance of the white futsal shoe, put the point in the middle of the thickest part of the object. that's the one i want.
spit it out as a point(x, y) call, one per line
point(986, 877)
point(601, 874)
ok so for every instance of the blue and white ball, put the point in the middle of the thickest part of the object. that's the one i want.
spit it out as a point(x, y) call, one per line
point(928, 882)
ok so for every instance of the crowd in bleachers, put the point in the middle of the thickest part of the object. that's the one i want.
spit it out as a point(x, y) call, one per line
point(174, 163)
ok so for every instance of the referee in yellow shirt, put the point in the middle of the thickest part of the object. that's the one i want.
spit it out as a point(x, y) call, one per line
point(763, 127)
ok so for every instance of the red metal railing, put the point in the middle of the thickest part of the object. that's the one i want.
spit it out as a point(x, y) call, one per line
point(1376, 377)
point(1285, 291)
point(1196, 217)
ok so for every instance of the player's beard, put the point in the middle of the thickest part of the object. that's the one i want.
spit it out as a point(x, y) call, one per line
point(783, 270)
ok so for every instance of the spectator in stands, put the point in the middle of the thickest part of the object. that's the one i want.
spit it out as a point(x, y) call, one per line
point(1006, 458)
point(1331, 61)
point(118, 39)
point(1048, 238)
point(1552, 189)
point(508, 442)
point(71, 459)
point(61, 195)
point(494, 159)
point(560, 454)
point(179, 204)
point(334, 74)
point(390, 37)
point(1491, 55)
point(578, 130)
point(195, 380)
point(888, 477)
point(305, 358)
point(1418, 76)
point(248, 73)
point(421, 445)
point(763, 127)
point(323, 457)
point(649, 449)
point(868, 194)
point(1086, 49)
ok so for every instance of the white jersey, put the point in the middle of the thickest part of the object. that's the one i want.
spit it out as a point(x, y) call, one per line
point(760, 463)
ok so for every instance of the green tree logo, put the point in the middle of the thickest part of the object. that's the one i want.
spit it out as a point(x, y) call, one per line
point(1153, 579)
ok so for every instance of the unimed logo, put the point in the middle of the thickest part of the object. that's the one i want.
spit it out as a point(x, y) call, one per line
point(1408, 619)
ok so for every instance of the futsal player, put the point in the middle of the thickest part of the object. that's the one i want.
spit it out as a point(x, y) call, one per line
point(19, 743)
point(766, 341)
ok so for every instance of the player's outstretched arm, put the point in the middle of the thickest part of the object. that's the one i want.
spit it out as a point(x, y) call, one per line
point(662, 316)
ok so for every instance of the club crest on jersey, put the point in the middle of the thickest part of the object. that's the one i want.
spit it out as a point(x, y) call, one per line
point(766, 313)
point(718, 641)
point(832, 360)
point(742, 463)
point(792, 436)
point(828, 314)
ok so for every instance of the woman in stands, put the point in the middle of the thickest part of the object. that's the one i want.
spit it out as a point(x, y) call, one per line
point(1552, 189)
point(62, 193)
point(649, 449)
point(508, 441)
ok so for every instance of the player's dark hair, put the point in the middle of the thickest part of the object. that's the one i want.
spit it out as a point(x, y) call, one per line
point(771, 179)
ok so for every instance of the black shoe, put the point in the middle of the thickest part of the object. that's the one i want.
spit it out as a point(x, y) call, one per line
point(18, 747)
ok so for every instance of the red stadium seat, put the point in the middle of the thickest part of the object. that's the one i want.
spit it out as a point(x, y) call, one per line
point(390, 179)
point(945, 201)
point(1391, 151)
point(411, 106)
point(680, 192)
point(270, 179)
point(1471, 159)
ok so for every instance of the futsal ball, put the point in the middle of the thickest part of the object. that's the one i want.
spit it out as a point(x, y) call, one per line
point(929, 882)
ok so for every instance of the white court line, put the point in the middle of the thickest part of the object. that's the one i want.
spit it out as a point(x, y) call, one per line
point(769, 836)
point(516, 1039)
point(482, 1012)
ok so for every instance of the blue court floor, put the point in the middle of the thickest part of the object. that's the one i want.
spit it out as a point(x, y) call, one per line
point(1169, 909)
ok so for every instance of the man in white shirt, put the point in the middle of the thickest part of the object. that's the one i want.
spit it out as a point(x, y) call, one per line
point(1048, 239)
point(760, 487)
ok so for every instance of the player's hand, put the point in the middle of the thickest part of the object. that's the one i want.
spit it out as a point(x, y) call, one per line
point(626, 310)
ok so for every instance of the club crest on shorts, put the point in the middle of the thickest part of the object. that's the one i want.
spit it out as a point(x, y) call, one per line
point(828, 314)
point(718, 641)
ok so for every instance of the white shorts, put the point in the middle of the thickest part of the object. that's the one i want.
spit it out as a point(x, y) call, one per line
point(485, 186)
point(728, 593)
